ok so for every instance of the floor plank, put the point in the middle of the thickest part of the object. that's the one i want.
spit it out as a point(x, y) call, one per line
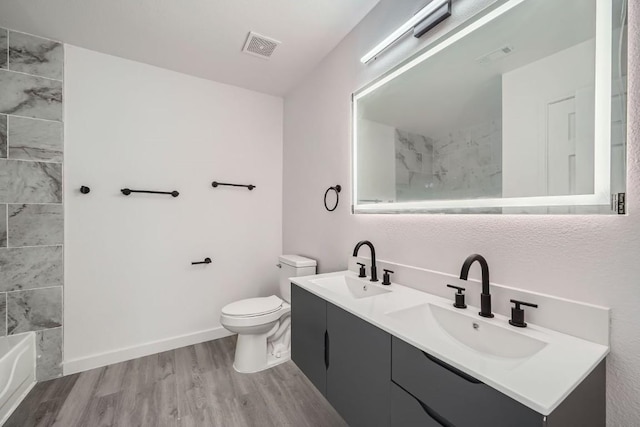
point(194, 386)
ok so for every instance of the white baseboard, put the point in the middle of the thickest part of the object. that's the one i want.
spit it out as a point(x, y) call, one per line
point(123, 354)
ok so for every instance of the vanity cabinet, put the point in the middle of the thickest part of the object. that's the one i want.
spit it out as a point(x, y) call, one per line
point(349, 360)
point(374, 379)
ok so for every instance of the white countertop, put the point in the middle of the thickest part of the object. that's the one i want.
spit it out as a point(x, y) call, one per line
point(541, 382)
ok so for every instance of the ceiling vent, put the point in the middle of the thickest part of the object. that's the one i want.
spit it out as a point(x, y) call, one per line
point(260, 46)
point(496, 55)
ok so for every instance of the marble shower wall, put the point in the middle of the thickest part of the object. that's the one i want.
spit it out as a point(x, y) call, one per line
point(464, 163)
point(31, 210)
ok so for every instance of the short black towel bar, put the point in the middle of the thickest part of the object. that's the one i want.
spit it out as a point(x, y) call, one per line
point(127, 191)
point(206, 261)
point(216, 183)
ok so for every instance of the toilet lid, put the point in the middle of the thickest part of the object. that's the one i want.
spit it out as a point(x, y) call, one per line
point(253, 306)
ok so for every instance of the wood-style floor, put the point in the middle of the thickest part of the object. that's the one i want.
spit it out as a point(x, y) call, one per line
point(190, 386)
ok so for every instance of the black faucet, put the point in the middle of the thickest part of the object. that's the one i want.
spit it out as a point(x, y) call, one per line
point(374, 271)
point(485, 296)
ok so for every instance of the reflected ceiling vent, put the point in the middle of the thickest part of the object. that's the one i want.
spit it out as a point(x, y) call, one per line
point(496, 55)
point(260, 46)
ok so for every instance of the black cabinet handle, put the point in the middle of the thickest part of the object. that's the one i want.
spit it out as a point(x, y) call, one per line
point(434, 416)
point(206, 261)
point(326, 349)
point(453, 370)
point(84, 189)
point(430, 412)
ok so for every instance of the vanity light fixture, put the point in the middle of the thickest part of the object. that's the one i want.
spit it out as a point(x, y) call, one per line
point(432, 14)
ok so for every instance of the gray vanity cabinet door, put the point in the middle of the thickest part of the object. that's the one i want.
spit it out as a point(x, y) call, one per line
point(458, 397)
point(359, 372)
point(308, 330)
point(407, 411)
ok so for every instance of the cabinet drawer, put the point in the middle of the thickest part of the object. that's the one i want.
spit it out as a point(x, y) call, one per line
point(407, 411)
point(454, 395)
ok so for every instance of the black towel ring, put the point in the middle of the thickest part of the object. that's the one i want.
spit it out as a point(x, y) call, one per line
point(337, 189)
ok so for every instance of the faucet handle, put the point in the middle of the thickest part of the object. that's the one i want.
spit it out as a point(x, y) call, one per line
point(517, 313)
point(385, 277)
point(459, 296)
point(363, 273)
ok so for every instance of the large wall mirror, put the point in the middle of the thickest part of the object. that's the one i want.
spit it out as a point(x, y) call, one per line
point(521, 110)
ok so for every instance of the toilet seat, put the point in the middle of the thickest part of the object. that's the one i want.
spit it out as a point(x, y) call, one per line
point(275, 309)
point(253, 307)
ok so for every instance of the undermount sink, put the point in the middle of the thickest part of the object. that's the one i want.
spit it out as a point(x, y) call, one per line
point(350, 286)
point(477, 334)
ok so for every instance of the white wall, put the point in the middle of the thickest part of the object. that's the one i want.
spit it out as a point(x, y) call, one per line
point(130, 288)
point(526, 93)
point(376, 161)
point(588, 258)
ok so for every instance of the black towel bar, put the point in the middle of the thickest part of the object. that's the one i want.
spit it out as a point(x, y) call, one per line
point(215, 184)
point(127, 191)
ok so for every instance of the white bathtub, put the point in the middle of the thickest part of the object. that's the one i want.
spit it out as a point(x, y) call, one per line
point(17, 371)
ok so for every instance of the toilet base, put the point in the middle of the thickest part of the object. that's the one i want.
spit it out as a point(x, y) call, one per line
point(257, 352)
point(271, 362)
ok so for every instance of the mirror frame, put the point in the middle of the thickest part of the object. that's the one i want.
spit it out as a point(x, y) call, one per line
point(602, 138)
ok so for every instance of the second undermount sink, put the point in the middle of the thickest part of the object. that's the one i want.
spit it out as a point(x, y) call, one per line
point(350, 286)
point(477, 334)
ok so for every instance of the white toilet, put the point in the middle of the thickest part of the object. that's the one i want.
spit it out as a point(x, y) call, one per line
point(263, 325)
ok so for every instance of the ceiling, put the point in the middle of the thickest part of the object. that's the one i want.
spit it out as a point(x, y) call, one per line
point(203, 38)
point(453, 89)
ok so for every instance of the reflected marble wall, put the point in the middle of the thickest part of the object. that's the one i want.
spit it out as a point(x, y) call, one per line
point(31, 210)
point(464, 163)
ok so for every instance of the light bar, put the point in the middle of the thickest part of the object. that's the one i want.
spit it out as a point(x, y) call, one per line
point(424, 13)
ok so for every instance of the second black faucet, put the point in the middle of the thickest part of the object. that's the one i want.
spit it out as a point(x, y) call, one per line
point(485, 296)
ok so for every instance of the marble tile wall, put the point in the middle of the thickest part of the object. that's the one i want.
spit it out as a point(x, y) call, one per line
point(34, 225)
point(464, 163)
point(30, 182)
point(4, 48)
point(49, 351)
point(3, 136)
point(35, 56)
point(3, 226)
point(3, 314)
point(30, 268)
point(38, 140)
point(31, 210)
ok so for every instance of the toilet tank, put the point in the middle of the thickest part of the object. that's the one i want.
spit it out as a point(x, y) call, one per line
point(293, 266)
